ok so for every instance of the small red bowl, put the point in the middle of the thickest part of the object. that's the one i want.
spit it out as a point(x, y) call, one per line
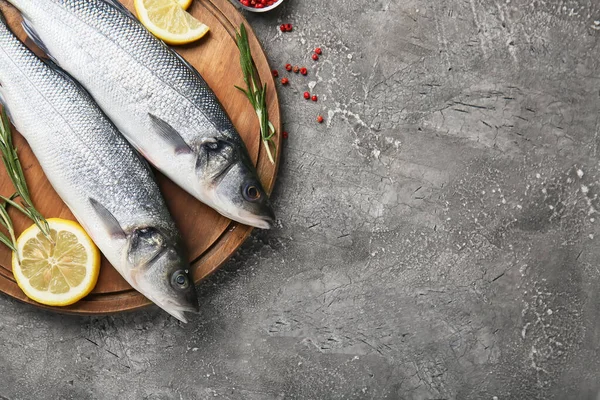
point(264, 9)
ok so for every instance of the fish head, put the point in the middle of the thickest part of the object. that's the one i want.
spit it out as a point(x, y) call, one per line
point(160, 271)
point(229, 177)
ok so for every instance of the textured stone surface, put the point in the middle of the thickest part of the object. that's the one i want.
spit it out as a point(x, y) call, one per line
point(438, 235)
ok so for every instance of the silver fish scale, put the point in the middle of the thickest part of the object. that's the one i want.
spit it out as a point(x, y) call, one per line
point(165, 64)
point(80, 150)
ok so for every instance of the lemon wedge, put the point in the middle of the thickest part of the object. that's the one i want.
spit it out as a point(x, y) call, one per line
point(185, 4)
point(167, 20)
point(59, 273)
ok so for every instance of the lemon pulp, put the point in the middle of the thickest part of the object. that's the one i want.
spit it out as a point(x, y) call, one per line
point(169, 21)
point(59, 271)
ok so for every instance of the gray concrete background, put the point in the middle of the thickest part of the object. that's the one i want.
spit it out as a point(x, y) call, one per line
point(438, 236)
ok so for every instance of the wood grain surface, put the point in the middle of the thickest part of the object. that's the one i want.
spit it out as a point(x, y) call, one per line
point(211, 239)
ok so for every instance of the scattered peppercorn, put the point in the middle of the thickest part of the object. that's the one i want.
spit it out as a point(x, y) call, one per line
point(281, 27)
point(315, 57)
point(296, 69)
point(320, 119)
point(318, 50)
point(306, 95)
point(275, 73)
point(288, 27)
point(284, 134)
point(303, 71)
point(285, 81)
point(315, 98)
point(288, 67)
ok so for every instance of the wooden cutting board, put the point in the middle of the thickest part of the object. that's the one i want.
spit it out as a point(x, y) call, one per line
point(211, 239)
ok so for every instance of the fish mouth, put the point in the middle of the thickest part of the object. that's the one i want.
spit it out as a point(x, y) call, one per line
point(177, 310)
point(248, 218)
point(260, 222)
point(172, 307)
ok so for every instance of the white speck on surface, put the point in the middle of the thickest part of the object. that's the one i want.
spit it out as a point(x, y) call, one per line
point(580, 173)
point(496, 397)
point(591, 235)
point(376, 153)
point(538, 176)
point(524, 330)
point(584, 189)
point(349, 56)
point(549, 312)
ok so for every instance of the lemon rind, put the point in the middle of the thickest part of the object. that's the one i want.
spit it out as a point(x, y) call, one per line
point(163, 34)
point(76, 293)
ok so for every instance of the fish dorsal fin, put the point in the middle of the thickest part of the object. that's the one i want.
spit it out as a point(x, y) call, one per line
point(170, 135)
point(108, 219)
point(117, 4)
point(35, 38)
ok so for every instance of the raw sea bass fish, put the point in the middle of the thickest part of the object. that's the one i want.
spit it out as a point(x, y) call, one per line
point(107, 186)
point(156, 99)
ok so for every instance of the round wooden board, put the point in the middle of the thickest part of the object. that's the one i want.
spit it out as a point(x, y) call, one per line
point(211, 239)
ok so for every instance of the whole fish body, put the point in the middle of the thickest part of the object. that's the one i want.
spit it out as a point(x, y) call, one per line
point(158, 101)
point(107, 186)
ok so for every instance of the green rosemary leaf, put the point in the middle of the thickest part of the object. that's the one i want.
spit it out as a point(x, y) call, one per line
point(10, 159)
point(256, 96)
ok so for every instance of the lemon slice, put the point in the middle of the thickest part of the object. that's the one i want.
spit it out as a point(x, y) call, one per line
point(59, 273)
point(185, 4)
point(167, 20)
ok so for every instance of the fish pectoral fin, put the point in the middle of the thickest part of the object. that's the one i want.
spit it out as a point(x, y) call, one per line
point(35, 38)
point(170, 135)
point(108, 219)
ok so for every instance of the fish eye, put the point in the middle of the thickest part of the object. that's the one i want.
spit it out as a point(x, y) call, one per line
point(211, 145)
point(180, 279)
point(251, 193)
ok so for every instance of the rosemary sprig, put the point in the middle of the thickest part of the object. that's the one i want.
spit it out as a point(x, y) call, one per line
point(15, 173)
point(6, 222)
point(257, 95)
